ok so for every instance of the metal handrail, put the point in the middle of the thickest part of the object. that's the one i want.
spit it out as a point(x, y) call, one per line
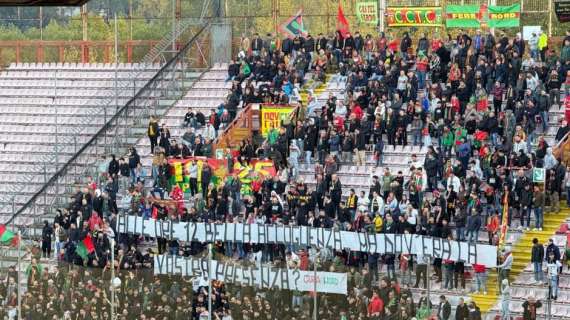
point(86, 118)
point(102, 105)
point(122, 112)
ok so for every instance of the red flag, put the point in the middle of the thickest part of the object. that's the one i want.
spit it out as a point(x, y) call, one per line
point(341, 22)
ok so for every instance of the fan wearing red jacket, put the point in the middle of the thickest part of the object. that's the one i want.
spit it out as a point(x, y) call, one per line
point(375, 306)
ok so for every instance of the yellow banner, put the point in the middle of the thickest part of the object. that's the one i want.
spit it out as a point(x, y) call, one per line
point(272, 117)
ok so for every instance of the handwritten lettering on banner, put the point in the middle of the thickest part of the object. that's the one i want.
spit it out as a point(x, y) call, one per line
point(263, 277)
point(311, 237)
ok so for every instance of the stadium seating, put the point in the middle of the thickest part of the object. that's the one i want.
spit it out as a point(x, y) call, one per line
point(203, 96)
point(36, 97)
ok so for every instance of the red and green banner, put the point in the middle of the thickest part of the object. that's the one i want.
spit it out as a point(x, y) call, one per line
point(8, 237)
point(467, 16)
point(248, 174)
point(414, 16)
point(475, 16)
point(505, 16)
point(85, 247)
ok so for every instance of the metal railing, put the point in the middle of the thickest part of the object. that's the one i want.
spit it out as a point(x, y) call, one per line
point(108, 105)
point(121, 128)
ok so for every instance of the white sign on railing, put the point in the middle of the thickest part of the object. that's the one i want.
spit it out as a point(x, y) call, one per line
point(262, 277)
point(469, 252)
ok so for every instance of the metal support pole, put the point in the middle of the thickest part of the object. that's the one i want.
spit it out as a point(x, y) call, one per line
point(381, 14)
point(209, 281)
point(173, 27)
point(75, 151)
point(41, 18)
point(45, 181)
point(19, 274)
point(116, 84)
point(84, 21)
point(56, 121)
point(112, 279)
point(131, 19)
point(315, 287)
point(549, 18)
point(428, 281)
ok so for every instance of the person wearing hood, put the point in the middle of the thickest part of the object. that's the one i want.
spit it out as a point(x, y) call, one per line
point(294, 153)
point(47, 232)
point(549, 159)
point(134, 160)
point(505, 300)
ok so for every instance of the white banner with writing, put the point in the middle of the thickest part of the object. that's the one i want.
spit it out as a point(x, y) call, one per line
point(468, 252)
point(263, 277)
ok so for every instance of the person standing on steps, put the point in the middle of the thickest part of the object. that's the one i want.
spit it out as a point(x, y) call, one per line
point(553, 266)
point(505, 267)
point(444, 309)
point(530, 308)
point(552, 248)
point(461, 311)
point(480, 278)
point(47, 232)
point(536, 258)
point(505, 300)
point(153, 133)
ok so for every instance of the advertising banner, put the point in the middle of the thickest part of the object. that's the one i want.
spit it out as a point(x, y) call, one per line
point(414, 16)
point(467, 16)
point(562, 10)
point(505, 16)
point(367, 12)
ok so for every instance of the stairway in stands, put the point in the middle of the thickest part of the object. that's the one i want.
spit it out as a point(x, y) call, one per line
point(521, 252)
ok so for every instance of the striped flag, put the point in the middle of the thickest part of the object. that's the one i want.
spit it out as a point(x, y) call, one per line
point(505, 220)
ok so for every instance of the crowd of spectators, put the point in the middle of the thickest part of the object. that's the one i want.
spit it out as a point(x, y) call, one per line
point(477, 102)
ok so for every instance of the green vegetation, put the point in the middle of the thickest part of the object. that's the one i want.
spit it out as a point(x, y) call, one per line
point(151, 20)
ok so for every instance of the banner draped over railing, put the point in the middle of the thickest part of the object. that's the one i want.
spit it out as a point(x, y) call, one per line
point(477, 16)
point(414, 16)
point(247, 174)
point(262, 277)
point(303, 236)
point(272, 117)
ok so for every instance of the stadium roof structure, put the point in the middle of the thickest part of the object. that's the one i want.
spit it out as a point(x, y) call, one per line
point(27, 3)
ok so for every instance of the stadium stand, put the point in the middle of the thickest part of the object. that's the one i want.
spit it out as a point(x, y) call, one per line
point(433, 208)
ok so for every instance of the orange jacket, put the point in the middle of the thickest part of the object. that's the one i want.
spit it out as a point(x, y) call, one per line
point(493, 224)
